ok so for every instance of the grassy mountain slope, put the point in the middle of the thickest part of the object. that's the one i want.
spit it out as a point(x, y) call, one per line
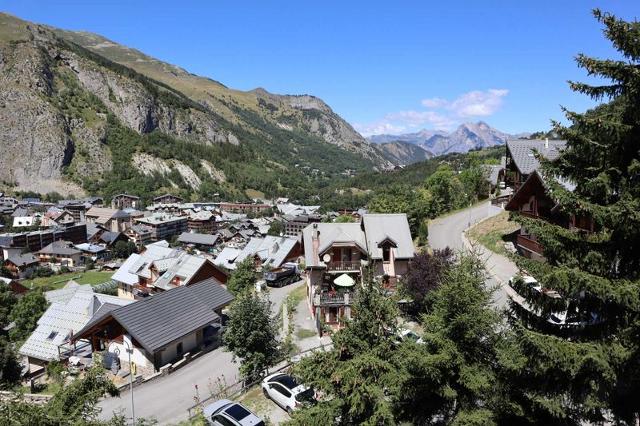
point(94, 115)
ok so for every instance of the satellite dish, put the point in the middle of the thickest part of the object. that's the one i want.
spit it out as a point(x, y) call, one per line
point(326, 258)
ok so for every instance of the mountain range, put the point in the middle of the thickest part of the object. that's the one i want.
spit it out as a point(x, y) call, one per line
point(464, 138)
point(81, 113)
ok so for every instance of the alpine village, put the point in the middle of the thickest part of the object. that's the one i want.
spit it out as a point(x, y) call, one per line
point(174, 251)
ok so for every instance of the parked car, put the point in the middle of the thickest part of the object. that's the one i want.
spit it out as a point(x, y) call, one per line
point(280, 277)
point(285, 391)
point(229, 413)
point(406, 334)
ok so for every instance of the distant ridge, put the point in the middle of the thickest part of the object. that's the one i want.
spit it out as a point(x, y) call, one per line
point(466, 137)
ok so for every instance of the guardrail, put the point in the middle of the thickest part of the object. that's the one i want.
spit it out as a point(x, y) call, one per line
point(240, 387)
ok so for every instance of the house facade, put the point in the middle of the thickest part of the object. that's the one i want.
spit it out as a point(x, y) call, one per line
point(125, 201)
point(159, 268)
point(60, 253)
point(532, 196)
point(338, 254)
point(160, 329)
point(111, 219)
point(164, 226)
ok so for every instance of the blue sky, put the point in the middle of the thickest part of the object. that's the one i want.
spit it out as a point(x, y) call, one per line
point(392, 66)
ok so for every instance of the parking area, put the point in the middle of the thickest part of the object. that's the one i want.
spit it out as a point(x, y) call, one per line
point(268, 410)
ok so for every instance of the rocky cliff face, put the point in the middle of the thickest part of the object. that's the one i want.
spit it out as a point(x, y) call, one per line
point(60, 90)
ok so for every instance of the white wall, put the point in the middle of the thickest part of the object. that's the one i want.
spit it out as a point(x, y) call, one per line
point(169, 355)
point(138, 357)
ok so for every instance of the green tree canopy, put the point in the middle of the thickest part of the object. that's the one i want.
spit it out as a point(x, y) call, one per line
point(251, 334)
point(243, 278)
point(594, 375)
point(26, 313)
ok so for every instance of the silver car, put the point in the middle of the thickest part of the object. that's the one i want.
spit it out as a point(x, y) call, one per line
point(229, 413)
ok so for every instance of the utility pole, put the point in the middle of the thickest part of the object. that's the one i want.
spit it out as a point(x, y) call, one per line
point(133, 413)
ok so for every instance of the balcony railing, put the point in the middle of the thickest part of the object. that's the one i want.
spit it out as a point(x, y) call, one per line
point(332, 299)
point(529, 244)
point(351, 265)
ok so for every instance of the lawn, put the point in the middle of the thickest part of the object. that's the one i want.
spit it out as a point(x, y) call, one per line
point(58, 281)
point(490, 232)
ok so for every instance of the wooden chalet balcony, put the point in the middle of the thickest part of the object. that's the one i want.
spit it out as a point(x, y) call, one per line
point(529, 244)
point(332, 299)
point(344, 266)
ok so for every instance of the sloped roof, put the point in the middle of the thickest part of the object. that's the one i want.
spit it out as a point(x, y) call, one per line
point(330, 233)
point(195, 238)
point(71, 308)
point(393, 227)
point(103, 214)
point(523, 152)
point(22, 259)
point(165, 317)
point(294, 209)
point(60, 247)
point(227, 257)
point(272, 250)
point(184, 266)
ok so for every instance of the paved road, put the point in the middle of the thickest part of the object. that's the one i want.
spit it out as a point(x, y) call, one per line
point(447, 232)
point(168, 398)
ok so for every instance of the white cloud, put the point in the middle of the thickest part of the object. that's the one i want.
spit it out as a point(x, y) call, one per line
point(478, 103)
point(440, 114)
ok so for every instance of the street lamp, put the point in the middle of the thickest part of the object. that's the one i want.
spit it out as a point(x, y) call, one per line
point(129, 352)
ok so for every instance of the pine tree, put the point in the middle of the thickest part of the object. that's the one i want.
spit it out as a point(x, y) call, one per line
point(592, 373)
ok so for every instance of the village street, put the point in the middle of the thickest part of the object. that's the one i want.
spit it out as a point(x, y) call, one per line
point(167, 399)
point(448, 231)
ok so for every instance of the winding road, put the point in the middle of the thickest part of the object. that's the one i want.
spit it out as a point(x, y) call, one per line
point(447, 231)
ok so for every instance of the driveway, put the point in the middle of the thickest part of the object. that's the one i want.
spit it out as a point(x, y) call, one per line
point(448, 231)
point(167, 399)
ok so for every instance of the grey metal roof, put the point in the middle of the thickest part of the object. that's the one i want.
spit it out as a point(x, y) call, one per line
point(272, 250)
point(63, 248)
point(522, 151)
point(227, 257)
point(330, 233)
point(394, 227)
point(22, 259)
point(71, 308)
point(194, 238)
point(165, 317)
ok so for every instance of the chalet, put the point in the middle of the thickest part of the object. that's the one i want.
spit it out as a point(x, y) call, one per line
point(20, 265)
point(295, 209)
point(92, 252)
point(70, 309)
point(204, 242)
point(532, 196)
point(124, 201)
point(60, 253)
point(141, 235)
point(110, 219)
point(271, 251)
point(521, 158)
point(164, 226)
point(159, 329)
point(168, 199)
point(203, 222)
point(56, 217)
point(159, 268)
point(336, 254)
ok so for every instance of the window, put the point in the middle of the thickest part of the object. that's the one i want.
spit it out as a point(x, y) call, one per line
point(280, 389)
point(179, 349)
point(221, 420)
point(386, 253)
point(52, 335)
point(237, 411)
